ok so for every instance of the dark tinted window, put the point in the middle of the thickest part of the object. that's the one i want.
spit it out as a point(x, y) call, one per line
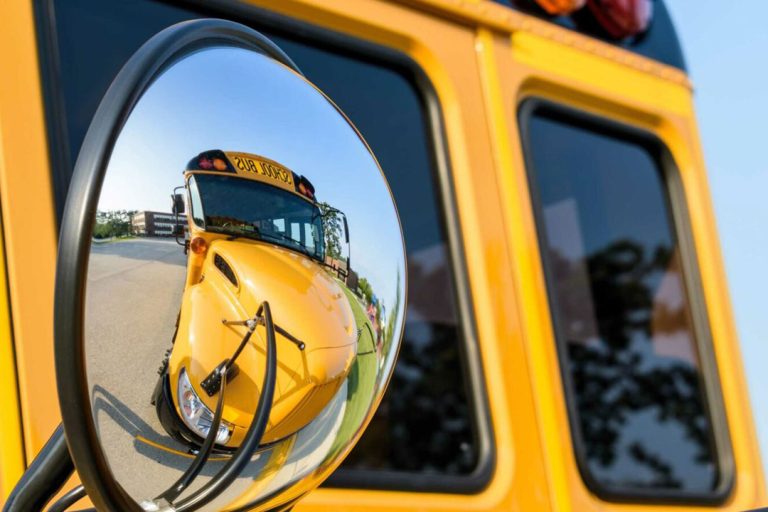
point(425, 423)
point(620, 309)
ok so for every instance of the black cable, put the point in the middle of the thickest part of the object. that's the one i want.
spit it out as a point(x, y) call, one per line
point(68, 499)
point(253, 437)
point(194, 469)
point(45, 476)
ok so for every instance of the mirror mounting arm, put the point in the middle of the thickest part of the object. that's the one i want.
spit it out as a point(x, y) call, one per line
point(48, 473)
point(70, 498)
point(227, 370)
point(176, 221)
point(228, 367)
point(290, 337)
point(251, 323)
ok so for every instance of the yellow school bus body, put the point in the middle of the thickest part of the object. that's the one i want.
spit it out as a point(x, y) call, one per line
point(483, 60)
point(306, 379)
point(318, 311)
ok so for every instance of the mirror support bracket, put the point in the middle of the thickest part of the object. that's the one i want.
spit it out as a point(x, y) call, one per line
point(212, 383)
point(45, 476)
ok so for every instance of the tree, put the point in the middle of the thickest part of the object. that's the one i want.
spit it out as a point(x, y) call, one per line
point(365, 289)
point(332, 230)
point(617, 376)
point(112, 223)
point(390, 327)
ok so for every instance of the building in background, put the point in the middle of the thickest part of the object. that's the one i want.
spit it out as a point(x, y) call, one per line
point(149, 223)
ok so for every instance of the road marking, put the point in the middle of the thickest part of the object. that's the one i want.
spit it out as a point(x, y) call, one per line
point(175, 452)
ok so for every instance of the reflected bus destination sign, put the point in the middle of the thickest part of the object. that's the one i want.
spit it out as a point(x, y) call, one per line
point(255, 167)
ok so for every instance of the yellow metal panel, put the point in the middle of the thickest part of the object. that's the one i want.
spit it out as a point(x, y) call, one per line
point(29, 227)
point(597, 75)
point(492, 15)
point(11, 439)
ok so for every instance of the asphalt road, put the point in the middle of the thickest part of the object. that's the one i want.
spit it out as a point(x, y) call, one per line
point(133, 298)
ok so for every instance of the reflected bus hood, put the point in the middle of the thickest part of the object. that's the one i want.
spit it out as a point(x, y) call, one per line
point(305, 300)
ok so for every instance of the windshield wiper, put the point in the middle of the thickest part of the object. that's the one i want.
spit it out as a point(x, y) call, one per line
point(294, 243)
point(235, 233)
point(256, 234)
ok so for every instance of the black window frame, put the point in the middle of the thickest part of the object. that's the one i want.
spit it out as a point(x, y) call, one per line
point(680, 227)
point(62, 162)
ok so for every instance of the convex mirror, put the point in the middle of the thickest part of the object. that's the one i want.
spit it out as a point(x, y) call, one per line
point(215, 348)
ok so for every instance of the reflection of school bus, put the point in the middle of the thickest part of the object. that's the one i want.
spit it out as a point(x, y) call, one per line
point(256, 234)
point(569, 343)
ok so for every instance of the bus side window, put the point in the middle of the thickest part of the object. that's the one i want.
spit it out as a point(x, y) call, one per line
point(629, 353)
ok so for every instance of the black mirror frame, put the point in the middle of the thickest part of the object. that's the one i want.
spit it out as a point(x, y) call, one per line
point(143, 68)
point(177, 205)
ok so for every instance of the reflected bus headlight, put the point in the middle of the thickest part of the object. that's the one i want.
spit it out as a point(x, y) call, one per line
point(196, 415)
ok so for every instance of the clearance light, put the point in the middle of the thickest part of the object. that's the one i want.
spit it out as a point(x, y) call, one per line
point(219, 164)
point(198, 245)
point(212, 160)
point(560, 7)
point(305, 188)
point(305, 191)
point(205, 163)
point(208, 164)
point(622, 18)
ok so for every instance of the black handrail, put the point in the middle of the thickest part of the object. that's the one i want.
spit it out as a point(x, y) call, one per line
point(69, 499)
point(45, 476)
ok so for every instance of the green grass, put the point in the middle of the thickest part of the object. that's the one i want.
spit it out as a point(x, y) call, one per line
point(361, 381)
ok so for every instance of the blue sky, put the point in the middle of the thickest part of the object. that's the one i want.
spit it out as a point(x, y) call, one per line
point(725, 45)
point(237, 100)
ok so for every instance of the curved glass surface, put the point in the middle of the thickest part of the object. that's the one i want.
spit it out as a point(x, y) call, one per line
point(283, 203)
point(621, 311)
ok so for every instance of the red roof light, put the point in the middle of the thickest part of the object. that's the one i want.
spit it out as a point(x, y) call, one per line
point(622, 18)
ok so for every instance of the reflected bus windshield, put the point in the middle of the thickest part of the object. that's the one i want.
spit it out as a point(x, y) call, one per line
point(247, 208)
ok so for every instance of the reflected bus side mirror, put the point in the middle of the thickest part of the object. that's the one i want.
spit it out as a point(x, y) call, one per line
point(177, 204)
